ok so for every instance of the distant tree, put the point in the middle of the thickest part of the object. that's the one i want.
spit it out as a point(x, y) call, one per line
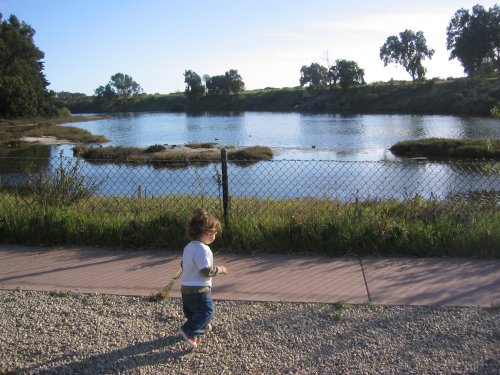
point(194, 86)
point(474, 39)
point(105, 94)
point(236, 83)
point(69, 95)
point(23, 87)
point(124, 85)
point(229, 83)
point(314, 75)
point(333, 75)
point(217, 85)
point(347, 73)
point(409, 50)
point(119, 86)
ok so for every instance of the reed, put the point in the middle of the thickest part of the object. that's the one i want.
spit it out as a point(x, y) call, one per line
point(413, 227)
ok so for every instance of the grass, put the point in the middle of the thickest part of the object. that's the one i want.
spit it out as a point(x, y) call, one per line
point(461, 96)
point(449, 148)
point(12, 130)
point(172, 157)
point(63, 208)
point(413, 227)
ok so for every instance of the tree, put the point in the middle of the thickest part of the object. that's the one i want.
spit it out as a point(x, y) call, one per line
point(105, 94)
point(347, 73)
point(217, 85)
point(23, 87)
point(409, 50)
point(474, 39)
point(124, 85)
point(194, 87)
point(314, 75)
point(229, 83)
point(65, 95)
point(236, 83)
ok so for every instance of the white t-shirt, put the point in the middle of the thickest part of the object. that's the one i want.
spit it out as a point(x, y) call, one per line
point(195, 257)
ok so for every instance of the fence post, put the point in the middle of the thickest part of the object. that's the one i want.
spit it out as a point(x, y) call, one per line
point(225, 186)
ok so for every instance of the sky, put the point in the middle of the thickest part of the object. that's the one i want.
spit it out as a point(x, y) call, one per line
point(267, 41)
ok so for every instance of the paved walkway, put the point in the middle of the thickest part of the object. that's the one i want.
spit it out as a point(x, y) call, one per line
point(390, 281)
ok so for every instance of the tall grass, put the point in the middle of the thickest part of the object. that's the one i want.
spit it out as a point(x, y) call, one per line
point(414, 227)
point(63, 187)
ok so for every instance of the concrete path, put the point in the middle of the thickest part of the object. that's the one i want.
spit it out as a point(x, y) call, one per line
point(387, 281)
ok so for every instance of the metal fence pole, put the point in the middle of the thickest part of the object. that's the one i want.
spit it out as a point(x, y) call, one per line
point(225, 186)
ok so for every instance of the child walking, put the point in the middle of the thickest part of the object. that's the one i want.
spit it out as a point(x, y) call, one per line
point(197, 273)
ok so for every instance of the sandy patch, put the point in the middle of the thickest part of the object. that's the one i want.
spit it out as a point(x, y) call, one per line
point(47, 140)
point(189, 150)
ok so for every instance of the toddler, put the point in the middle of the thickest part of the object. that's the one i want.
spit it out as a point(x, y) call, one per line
point(197, 273)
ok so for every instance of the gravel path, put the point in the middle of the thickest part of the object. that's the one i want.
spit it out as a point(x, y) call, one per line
point(99, 334)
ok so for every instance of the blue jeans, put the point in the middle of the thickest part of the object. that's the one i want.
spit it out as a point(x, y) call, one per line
point(199, 310)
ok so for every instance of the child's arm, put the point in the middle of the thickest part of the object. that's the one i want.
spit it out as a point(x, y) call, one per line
point(213, 271)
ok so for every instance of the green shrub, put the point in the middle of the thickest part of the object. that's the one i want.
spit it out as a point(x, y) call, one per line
point(154, 148)
point(495, 111)
point(63, 187)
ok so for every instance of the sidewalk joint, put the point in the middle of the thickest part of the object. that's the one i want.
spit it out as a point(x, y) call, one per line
point(364, 279)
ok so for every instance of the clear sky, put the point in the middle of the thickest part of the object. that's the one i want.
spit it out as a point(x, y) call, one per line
point(87, 41)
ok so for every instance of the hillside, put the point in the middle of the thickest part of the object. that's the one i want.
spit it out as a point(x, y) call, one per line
point(454, 97)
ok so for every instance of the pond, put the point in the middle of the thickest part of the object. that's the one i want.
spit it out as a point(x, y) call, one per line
point(291, 135)
point(327, 156)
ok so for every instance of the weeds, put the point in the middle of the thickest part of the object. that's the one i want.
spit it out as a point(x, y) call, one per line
point(341, 305)
point(63, 187)
point(414, 227)
point(340, 308)
point(60, 294)
point(372, 305)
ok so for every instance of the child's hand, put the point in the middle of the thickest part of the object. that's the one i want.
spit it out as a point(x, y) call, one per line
point(222, 270)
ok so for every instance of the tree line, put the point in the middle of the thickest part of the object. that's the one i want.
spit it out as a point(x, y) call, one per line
point(472, 37)
point(23, 86)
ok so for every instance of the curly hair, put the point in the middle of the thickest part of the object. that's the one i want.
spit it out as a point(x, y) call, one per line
point(202, 222)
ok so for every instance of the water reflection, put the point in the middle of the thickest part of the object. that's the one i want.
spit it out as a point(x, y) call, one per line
point(329, 140)
point(366, 137)
point(15, 160)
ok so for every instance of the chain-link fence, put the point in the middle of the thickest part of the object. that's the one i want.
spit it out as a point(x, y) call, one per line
point(333, 207)
point(249, 187)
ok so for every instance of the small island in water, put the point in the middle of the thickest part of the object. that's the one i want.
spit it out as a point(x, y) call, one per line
point(173, 155)
point(442, 148)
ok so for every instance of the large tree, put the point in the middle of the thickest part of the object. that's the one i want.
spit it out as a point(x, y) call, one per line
point(229, 83)
point(105, 94)
point(236, 83)
point(125, 85)
point(217, 85)
point(474, 39)
point(407, 50)
point(194, 86)
point(347, 73)
point(23, 87)
point(119, 86)
point(314, 75)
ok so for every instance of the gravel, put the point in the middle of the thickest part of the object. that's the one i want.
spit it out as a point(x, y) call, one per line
point(64, 332)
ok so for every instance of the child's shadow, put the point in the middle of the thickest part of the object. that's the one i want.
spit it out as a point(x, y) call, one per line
point(164, 350)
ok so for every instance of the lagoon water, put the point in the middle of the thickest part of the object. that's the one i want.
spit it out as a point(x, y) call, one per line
point(329, 156)
point(291, 135)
